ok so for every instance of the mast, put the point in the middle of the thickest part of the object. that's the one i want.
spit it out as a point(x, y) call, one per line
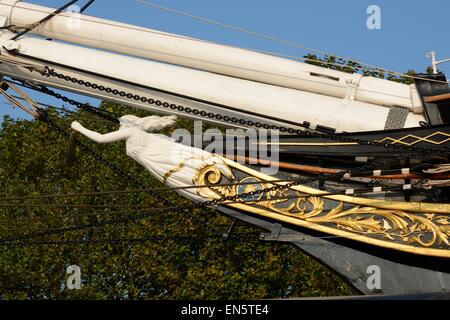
point(432, 55)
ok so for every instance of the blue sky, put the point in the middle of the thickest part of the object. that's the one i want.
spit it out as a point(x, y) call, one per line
point(409, 28)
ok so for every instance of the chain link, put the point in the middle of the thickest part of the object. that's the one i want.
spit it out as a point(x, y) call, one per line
point(84, 106)
point(235, 120)
point(211, 115)
point(289, 185)
point(188, 208)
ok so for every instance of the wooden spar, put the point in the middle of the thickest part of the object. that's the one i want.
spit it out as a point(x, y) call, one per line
point(320, 170)
point(211, 57)
point(438, 98)
point(213, 92)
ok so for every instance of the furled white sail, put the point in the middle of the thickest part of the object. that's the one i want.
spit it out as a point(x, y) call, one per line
point(233, 81)
point(247, 96)
point(198, 54)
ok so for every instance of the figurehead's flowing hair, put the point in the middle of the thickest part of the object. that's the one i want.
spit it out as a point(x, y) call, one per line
point(148, 124)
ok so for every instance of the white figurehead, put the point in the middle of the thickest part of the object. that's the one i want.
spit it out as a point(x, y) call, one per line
point(170, 162)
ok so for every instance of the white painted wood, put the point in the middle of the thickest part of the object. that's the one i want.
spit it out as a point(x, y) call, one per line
point(198, 54)
point(246, 96)
point(172, 163)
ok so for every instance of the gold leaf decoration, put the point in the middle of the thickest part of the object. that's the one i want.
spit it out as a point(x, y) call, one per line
point(398, 227)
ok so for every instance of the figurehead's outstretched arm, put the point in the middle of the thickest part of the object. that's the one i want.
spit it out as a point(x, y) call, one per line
point(173, 163)
point(119, 135)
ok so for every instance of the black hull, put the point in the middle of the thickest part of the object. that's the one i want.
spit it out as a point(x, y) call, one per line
point(430, 137)
point(401, 273)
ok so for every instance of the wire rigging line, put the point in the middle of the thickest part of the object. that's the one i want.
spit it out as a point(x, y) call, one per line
point(87, 5)
point(129, 177)
point(47, 18)
point(237, 237)
point(61, 109)
point(80, 227)
point(270, 38)
point(115, 192)
point(130, 227)
point(359, 191)
point(122, 219)
point(232, 27)
point(76, 215)
point(273, 199)
point(73, 206)
point(353, 67)
point(104, 115)
point(186, 238)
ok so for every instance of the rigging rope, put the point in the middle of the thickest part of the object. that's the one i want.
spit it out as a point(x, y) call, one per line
point(360, 191)
point(368, 67)
point(160, 238)
point(103, 114)
point(91, 214)
point(126, 240)
point(53, 73)
point(42, 104)
point(101, 193)
point(214, 202)
point(290, 130)
point(115, 192)
point(47, 18)
point(238, 237)
point(128, 227)
point(126, 175)
point(168, 106)
point(131, 214)
point(72, 228)
point(87, 5)
point(80, 227)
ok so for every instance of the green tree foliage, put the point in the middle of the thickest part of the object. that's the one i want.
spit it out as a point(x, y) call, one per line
point(348, 66)
point(33, 161)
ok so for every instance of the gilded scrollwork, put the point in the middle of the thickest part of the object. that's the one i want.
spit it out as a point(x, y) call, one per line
point(398, 227)
point(210, 175)
point(426, 230)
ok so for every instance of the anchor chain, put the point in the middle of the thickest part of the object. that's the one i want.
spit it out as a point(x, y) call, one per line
point(234, 120)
